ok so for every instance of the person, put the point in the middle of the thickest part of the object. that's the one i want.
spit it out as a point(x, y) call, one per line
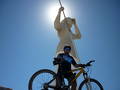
point(65, 33)
point(64, 62)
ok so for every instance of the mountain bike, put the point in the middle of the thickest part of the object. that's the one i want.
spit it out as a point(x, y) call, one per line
point(45, 79)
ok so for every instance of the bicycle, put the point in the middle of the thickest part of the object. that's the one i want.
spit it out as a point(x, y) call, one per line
point(87, 84)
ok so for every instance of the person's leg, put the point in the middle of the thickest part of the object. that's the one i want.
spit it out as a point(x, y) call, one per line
point(74, 85)
point(58, 81)
point(70, 77)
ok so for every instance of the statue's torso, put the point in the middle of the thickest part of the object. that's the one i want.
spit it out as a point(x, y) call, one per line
point(65, 36)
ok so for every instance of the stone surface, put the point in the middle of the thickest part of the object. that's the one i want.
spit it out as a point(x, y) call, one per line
point(4, 88)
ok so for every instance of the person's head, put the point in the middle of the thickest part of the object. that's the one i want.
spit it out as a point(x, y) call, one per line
point(67, 49)
point(67, 20)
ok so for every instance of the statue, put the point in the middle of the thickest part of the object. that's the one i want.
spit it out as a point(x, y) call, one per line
point(65, 34)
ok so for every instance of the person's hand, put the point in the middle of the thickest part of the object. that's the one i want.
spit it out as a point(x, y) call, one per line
point(57, 61)
point(83, 65)
point(74, 21)
point(61, 9)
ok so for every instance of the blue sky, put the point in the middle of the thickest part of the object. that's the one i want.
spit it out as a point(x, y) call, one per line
point(28, 41)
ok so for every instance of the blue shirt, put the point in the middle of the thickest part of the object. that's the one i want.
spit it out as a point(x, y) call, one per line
point(66, 63)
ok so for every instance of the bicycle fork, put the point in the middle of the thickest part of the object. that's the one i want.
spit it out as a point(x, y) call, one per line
point(87, 80)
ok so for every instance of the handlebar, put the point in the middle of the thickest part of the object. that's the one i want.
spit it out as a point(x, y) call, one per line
point(89, 63)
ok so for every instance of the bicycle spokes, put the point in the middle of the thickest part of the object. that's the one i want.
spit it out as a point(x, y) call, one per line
point(42, 81)
point(90, 86)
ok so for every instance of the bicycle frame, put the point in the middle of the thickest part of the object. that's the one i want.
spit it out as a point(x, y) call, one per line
point(81, 70)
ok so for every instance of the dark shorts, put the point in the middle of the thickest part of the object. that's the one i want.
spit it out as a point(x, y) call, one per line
point(69, 76)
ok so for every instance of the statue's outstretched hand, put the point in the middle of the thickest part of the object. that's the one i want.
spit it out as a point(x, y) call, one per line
point(61, 9)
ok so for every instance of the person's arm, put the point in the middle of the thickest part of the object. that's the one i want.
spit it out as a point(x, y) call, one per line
point(57, 24)
point(77, 34)
point(58, 59)
point(77, 65)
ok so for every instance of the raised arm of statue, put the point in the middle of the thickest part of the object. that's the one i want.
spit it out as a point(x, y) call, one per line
point(77, 34)
point(57, 24)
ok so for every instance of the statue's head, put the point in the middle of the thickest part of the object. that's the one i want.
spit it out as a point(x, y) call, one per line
point(67, 20)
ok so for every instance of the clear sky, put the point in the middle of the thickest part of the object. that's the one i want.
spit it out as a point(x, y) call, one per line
point(28, 39)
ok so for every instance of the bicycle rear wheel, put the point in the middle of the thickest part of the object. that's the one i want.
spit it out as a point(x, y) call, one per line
point(40, 78)
point(91, 85)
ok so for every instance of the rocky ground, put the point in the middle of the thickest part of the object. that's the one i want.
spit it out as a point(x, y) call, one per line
point(4, 88)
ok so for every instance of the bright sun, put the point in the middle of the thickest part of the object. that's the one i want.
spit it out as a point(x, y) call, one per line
point(52, 12)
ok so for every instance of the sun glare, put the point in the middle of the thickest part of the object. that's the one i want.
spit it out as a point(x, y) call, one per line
point(52, 11)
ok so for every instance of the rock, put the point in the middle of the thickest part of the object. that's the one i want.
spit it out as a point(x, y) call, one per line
point(4, 88)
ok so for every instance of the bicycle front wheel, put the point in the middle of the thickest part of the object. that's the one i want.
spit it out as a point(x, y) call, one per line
point(40, 78)
point(92, 84)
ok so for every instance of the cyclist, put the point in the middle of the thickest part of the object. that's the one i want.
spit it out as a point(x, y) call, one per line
point(64, 61)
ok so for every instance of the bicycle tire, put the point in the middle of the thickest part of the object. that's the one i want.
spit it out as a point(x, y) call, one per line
point(93, 81)
point(42, 71)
